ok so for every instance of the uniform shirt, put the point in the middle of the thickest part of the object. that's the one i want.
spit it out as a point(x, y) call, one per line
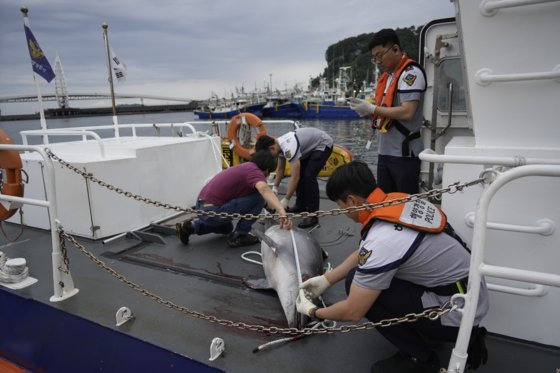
point(387, 252)
point(299, 144)
point(411, 87)
point(234, 182)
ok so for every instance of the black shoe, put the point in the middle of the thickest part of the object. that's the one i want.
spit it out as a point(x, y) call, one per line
point(402, 363)
point(184, 230)
point(294, 210)
point(237, 240)
point(309, 222)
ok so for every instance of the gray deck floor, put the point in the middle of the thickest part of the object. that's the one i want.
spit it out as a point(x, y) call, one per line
point(207, 276)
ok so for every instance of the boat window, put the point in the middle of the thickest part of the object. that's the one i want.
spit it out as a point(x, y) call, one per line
point(450, 72)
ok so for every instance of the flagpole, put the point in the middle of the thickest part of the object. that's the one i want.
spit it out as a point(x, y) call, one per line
point(105, 26)
point(42, 120)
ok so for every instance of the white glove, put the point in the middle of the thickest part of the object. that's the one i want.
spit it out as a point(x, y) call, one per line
point(284, 202)
point(304, 305)
point(275, 189)
point(315, 286)
point(362, 107)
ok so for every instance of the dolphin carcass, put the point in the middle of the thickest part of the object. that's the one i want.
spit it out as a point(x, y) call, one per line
point(281, 264)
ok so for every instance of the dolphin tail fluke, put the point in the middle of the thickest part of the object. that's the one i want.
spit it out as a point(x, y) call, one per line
point(258, 283)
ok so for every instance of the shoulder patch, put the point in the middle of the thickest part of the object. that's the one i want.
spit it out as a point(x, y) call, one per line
point(288, 154)
point(409, 67)
point(409, 79)
point(363, 256)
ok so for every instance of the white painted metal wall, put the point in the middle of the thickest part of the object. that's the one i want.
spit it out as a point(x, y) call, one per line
point(512, 119)
point(167, 169)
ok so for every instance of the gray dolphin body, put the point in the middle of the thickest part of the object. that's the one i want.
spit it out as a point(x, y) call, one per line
point(280, 266)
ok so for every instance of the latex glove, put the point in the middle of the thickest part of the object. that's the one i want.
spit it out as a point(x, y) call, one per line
point(284, 202)
point(315, 286)
point(362, 107)
point(303, 304)
point(275, 189)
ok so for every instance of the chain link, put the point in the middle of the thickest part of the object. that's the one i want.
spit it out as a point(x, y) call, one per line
point(431, 314)
point(451, 189)
point(65, 260)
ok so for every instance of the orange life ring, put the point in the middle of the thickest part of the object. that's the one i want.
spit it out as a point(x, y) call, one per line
point(233, 127)
point(10, 164)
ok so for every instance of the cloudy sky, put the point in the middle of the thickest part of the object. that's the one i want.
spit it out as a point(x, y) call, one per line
point(189, 48)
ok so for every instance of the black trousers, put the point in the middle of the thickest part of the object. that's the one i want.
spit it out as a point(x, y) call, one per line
point(401, 298)
point(398, 174)
point(308, 188)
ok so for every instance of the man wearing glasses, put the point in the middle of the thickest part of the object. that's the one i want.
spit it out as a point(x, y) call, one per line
point(397, 113)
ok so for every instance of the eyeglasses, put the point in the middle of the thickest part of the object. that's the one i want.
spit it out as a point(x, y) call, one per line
point(379, 56)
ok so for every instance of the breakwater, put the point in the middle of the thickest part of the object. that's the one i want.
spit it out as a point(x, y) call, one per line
point(87, 112)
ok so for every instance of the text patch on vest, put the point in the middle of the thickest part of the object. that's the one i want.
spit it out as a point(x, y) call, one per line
point(421, 213)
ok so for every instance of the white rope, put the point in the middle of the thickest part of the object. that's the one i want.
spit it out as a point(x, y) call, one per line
point(244, 257)
point(13, 272)
point(214, 148)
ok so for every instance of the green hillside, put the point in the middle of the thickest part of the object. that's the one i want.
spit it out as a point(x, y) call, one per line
point(353, 52)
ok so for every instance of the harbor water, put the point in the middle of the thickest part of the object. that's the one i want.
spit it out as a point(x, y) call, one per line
point(351, 134)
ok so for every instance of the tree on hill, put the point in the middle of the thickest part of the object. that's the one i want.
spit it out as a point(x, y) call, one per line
point(354, 52)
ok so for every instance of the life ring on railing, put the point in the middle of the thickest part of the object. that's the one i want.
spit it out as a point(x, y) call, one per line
point(233, 127)
point(11, 183)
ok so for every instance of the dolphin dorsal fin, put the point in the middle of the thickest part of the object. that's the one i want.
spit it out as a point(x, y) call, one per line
point(267, 240)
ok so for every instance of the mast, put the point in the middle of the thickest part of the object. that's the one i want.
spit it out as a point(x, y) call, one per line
point(105, 26)
point(42, 120)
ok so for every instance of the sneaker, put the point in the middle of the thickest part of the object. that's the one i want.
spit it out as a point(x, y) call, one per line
point(309, 222)
point(402, 363)
point(236, 239)
point(184, 230)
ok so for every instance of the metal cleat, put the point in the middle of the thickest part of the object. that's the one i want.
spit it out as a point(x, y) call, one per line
point(216, 348)
point(123, 315)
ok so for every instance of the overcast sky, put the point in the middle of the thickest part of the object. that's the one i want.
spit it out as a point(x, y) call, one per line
point(189, 48)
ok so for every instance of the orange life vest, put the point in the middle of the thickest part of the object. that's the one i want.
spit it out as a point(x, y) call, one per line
point(387, 98)
point(420, 215)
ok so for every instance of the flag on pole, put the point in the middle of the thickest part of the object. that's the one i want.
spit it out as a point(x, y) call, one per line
point(118, 66)
point(39, 62)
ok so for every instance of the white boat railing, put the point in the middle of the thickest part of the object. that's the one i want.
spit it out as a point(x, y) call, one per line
point(62, 279)
point(429, 155)
point(490, 7)
point(478, 268)
point(92, 130)
point(486, 76)
point(133, 127)
point(543, 227)
point(71, 132)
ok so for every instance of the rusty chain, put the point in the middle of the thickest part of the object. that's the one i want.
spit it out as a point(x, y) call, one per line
point(431, 314)
point(453, 188)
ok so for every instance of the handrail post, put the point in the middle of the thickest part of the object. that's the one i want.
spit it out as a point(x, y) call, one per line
point(62, 279)
point(459, 355)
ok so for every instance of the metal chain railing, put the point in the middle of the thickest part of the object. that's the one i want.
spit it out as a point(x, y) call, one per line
point(453, 188)
point(431, 314)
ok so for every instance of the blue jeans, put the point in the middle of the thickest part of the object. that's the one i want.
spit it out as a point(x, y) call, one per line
point(250, 204)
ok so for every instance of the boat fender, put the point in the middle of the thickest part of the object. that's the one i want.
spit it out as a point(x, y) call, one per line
point(11, 183)
point(233, 127)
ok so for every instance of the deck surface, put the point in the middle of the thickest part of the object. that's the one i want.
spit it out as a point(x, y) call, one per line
point(207, 276)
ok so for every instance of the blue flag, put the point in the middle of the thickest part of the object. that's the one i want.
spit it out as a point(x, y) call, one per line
point(38, 60)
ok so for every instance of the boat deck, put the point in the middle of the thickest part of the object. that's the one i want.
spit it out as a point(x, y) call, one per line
point(208, 277)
